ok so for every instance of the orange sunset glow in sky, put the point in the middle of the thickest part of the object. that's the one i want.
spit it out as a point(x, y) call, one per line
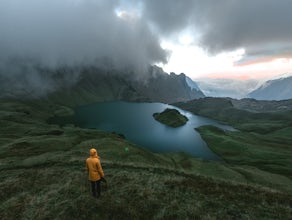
point(237, 39)
point(196, 63)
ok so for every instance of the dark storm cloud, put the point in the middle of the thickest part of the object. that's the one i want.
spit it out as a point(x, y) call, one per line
point(227, 24)
point(38, 33)
point(169, 16)
point(64, 32)
point(250, 24)
point(70, 33)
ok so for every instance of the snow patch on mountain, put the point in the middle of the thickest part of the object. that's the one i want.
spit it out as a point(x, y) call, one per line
point(278, 89)
point(192, 84)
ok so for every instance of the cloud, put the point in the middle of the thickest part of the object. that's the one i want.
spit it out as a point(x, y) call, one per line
point(248, 24)
point(267, 54)
point(38, 34)
point(225, 87)
point(226, 25)
point(54, 34)
point(169, 16)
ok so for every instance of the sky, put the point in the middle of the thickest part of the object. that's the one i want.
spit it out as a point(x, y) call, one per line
point(234, 39)
point(225, 39)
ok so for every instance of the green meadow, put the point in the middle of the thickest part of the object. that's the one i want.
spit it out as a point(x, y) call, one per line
point(42, 171)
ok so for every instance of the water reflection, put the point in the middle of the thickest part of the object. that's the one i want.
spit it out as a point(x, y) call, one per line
point(135, 121)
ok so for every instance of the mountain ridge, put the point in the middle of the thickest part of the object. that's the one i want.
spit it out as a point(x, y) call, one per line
point(92, 84)
point(276, 89)
point(96, 85)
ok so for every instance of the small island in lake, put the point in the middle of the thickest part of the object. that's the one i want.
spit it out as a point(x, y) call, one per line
point(171, 117)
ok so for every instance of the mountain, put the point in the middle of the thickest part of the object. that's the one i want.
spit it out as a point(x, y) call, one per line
point(226, 87)
point(155, 86)
point(163, 87)
point(278, 89)
point(192, 84)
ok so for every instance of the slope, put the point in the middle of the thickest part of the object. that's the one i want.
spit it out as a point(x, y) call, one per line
point(263, 141)
point(279, 89)
point(43, 176)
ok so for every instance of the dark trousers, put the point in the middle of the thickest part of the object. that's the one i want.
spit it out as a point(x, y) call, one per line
point(95, 188)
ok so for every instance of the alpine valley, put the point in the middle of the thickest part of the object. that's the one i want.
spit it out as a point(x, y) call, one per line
point(42, 173)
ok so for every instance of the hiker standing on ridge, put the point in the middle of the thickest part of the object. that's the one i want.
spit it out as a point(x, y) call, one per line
point(95, 172)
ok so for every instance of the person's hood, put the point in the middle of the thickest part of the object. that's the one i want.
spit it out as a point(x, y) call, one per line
point(93, 153)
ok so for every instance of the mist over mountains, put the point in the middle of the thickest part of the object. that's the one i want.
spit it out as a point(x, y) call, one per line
point(91, 84)
point(41, 39)
point(48, 46)
point(272, 89)
point(227, 87)
point(278, 89)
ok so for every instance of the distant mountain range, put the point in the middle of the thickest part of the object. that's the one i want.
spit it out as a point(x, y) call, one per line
point(155, 86)
point(278, 89)
point(91, 84)
point(226, 87)
point(275, 89)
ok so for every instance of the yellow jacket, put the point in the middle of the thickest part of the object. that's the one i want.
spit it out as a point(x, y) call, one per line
point(93, 166)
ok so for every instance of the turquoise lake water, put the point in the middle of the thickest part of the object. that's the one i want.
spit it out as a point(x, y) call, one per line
point(136, 123)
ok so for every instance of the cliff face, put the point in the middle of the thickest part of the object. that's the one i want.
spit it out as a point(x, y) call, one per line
point(162, 87)
point(156, 86)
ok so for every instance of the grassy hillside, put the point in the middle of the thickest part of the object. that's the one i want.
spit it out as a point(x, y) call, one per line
point(258, 116)
point(263, 142)
point(42, 175)
point(270, 153)
point(264, 137)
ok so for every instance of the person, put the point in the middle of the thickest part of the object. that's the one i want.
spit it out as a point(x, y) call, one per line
point(95, 172)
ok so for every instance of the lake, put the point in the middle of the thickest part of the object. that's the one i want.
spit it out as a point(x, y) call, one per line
point(136, 123)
